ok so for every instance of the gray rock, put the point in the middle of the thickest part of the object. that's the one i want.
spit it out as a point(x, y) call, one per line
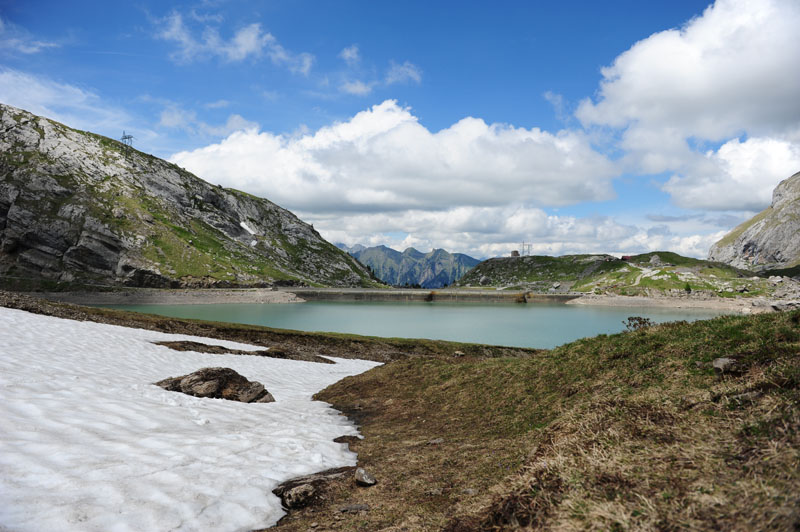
point(484, 280)
point(299, 496)
point(364, 478)
point(725, 365)
point(307, 490)
point(770, 238)
point(218, 383)
point(354, 508)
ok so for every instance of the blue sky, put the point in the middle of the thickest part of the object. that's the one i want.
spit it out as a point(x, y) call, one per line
point(578, 126)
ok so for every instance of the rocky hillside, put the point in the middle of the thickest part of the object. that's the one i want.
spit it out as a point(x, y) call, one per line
point(769, 240)
point(650, 274)
point(435, 269)
point(76, 207)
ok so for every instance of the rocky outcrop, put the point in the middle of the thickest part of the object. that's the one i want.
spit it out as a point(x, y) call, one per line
point(769, 240)
point(435, 269)
point(218, 383)
point(75, 206)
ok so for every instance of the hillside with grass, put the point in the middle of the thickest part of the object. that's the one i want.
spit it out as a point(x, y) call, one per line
point(677, 426)
point(79, 208)
point(658, 273)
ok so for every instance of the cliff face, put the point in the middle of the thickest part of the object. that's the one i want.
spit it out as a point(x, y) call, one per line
point(75, 206)
point(411, 267)
point(771, 239)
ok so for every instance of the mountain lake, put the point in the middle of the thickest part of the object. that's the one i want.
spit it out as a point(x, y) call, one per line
point(539, 325)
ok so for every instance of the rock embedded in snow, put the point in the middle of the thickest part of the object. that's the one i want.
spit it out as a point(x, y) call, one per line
point(87, 444)
point(218, 383)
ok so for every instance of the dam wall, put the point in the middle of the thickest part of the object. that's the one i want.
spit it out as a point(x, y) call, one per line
point(465, 296)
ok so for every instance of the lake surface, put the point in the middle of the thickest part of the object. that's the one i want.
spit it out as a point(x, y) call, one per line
point(531, 325)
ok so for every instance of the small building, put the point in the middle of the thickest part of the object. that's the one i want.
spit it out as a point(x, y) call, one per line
point(626, 257)
point(515, 253)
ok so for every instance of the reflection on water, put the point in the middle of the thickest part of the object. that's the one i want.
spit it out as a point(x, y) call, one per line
point(530, 325)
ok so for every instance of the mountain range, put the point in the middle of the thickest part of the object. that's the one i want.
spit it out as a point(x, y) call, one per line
point(76, 207)
point(435, 269)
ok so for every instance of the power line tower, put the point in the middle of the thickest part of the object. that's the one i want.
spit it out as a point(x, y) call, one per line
point(127, 140)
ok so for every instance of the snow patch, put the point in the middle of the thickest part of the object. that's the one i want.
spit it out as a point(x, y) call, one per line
point(88, 443)
point(247, 228)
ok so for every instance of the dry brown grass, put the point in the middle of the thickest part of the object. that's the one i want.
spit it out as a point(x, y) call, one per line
point(629, 432)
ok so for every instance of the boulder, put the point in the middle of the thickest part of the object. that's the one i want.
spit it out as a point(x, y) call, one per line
point(364, 478)
point(218, 383)
point(307, 490)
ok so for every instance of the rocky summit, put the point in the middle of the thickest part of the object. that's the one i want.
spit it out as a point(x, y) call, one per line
point(769, 240)
point(76, 207)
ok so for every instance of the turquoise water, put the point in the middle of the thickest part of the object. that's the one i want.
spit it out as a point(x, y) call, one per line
point(530, 325)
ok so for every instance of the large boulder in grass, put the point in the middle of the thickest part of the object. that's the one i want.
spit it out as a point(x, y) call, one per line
point(218, 383)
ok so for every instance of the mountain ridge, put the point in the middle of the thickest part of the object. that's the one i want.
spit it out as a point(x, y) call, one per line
point(411, 267)
point(77, 207)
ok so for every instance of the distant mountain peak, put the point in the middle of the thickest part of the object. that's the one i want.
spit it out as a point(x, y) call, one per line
point(435, 269)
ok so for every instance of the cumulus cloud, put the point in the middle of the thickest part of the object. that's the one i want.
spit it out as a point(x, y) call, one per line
point(727, 74)
point(384, 159)
point(738, 176)
point(247, 42)
point(729, 70)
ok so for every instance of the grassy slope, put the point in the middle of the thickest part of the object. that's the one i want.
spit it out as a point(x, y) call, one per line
point(630, 431)
point(619, 277)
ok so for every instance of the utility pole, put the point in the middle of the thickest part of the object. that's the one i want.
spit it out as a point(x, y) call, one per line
point(127, 141)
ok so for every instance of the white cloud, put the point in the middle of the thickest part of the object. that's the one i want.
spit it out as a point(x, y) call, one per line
point(219, 104)
point(16, 39)
point(359, 88)
point(729, 73)
point(383, 159)
point(176, 117)
point(248, 41)
point(350, 55)
point(738, 176)
point(74, 106)
point(732, 69)
point(403, 73)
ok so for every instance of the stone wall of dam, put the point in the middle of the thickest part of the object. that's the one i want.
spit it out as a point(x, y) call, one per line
point(466, 296)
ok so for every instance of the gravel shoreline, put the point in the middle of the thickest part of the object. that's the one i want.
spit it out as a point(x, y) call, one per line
point(160, 296)
point(742, 306)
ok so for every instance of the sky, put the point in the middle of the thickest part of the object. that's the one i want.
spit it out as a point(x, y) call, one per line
point(575, 127)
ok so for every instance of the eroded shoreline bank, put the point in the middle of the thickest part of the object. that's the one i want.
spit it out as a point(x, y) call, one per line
point(154, 296)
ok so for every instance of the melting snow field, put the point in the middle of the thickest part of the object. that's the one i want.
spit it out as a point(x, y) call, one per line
point(87, 443)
